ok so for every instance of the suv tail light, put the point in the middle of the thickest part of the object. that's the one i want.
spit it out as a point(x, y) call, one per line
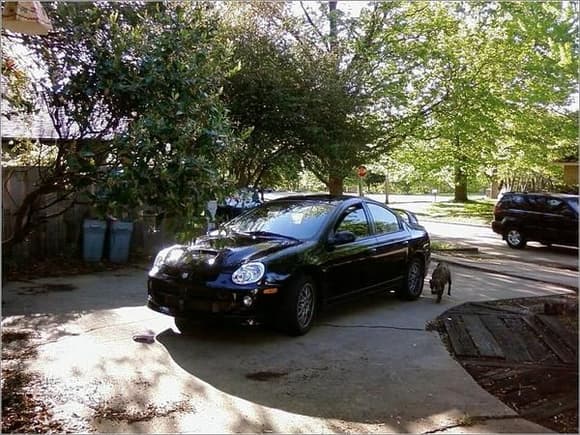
point(496, 208)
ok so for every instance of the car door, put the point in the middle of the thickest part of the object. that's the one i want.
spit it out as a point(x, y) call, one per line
point(390, 248)
point(533, 223)
point(561, 222)
point(347, 266)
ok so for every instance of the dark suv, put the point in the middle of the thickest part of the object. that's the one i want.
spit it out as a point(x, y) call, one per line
point(547, 218)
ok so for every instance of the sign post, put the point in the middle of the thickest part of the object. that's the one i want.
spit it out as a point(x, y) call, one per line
point(361, 172)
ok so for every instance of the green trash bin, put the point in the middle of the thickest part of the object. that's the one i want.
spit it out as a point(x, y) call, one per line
point(93, 239)
point(120, 241)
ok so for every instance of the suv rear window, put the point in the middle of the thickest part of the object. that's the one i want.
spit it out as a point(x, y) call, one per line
point(573, 202)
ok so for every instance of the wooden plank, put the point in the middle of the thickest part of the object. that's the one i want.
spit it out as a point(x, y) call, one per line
point(497, 309)
point(516, 365)
point(550, 338)
point(554, 324)
point(512, 345)
point(551, 407)
point(537, 350)
point(460, 339)
point(483, 339)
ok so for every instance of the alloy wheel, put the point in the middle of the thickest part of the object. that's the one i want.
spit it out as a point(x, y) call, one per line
point(514, 237)
point(414, 278)
point(305, 305)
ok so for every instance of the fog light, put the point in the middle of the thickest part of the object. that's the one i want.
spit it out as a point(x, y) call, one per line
point(248, 301)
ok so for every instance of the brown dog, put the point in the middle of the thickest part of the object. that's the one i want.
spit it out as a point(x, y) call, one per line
point(441, 276)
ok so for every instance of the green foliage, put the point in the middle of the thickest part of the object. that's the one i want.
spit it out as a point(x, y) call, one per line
point(294, 96)
point(506, 71)
point(263, 97)
point(169, 156)
point(135, 89)
point(16, 92)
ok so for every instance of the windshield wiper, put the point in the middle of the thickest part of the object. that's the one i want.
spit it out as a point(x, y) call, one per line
point(270, 234)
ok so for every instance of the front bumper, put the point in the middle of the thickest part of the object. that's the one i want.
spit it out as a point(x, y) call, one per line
point(188, 300)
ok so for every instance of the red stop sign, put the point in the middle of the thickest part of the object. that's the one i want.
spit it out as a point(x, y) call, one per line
point(361, 171)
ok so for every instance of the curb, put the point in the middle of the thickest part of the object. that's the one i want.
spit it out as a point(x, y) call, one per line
point(435, 221)
point(500, 272)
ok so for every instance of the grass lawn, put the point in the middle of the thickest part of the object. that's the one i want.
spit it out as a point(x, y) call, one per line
point(476, 212)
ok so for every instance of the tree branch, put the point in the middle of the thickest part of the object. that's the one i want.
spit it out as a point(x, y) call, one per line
point(316, 29)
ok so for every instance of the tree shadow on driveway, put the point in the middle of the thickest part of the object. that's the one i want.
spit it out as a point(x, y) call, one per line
point(351, 366)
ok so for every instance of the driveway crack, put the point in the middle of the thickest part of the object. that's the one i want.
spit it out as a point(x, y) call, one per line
point(398, 328)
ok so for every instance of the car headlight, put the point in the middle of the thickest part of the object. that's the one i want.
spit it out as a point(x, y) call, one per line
point(248, 273)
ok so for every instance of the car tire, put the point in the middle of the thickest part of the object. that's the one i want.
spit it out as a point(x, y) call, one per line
point(515, 239)
point(299, 306)
point(412, 286)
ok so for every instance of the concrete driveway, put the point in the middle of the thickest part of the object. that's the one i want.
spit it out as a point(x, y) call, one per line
point(366, 366)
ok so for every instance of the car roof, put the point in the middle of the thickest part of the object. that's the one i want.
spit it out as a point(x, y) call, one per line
point(555, 195)
point(318, 198)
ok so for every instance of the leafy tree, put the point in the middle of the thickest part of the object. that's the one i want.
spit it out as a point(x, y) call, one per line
point(510, 65)
point(134, 88)
point(263, 97)
point(342, 98)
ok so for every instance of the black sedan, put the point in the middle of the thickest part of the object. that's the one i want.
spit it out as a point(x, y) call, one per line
point(281, 261)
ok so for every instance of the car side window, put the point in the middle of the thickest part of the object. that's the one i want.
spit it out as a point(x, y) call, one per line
point(355, 221)
point(385, 221)
point(517, 201)
point(558, 206)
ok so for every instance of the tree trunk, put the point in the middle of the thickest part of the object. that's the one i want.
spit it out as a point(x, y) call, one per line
point(333, 25)
point(460, 185)
point(460, 175)
point(335, 185)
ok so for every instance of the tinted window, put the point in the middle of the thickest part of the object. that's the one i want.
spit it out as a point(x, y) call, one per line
point(300, 220)
point(355, 221)
point(557, 206)
point(538, 203)
point(385, 221)
point(516, 201)
point(573, 202)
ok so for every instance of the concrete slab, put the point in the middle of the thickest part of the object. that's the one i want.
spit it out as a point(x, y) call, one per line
point(366, 366)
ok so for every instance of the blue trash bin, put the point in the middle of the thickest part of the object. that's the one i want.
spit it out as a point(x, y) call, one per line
point(93, 239)
point(120, 241)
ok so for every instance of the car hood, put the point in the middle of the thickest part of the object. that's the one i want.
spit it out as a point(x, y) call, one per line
point(228, 252)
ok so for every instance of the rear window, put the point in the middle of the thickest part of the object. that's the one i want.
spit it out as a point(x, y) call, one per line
point(573, 202)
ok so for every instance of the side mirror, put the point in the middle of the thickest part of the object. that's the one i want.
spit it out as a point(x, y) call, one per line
point(341, 238)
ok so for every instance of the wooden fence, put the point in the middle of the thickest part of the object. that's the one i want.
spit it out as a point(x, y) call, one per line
point(61, 235)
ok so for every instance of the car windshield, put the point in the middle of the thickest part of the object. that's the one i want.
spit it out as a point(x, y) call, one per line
point(297, 220)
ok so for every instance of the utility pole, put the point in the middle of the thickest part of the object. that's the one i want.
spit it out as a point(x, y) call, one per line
point(386, 186)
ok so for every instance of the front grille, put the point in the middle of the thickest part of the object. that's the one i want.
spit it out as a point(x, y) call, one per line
point(190, 292)
point(189, 274)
